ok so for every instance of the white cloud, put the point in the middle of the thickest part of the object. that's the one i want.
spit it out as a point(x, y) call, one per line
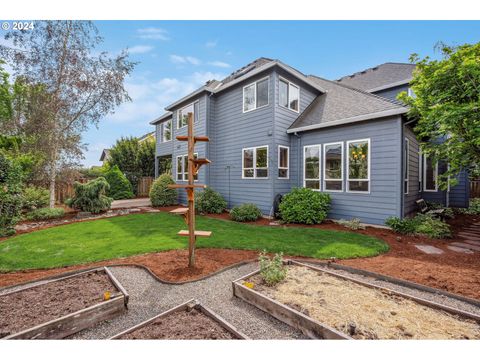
point(153, 33)
point(140, 49)
point(211, 44)
point(219, 64)
point(177, 59)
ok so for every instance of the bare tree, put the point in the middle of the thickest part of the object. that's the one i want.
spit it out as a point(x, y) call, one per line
point(80, 84)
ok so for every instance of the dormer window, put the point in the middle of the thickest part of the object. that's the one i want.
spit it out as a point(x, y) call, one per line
point(289, 95)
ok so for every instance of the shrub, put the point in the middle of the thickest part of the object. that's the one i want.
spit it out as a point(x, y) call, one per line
point(245, 212)
point(473, 208)
point(402, 226)
point(304, 206)
point(353, 224)
point(91, 196)
point(35, 198)
point(120, 187)
point(45, 214)
point(11, 175)
point(272, 271)
point(422, 224)
point(210, 202)
point(160, 194)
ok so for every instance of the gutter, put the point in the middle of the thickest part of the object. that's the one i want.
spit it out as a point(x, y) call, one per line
point(350, 120)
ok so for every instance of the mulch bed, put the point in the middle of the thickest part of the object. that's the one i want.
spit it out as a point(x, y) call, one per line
point(34, 306)
point(182, 325)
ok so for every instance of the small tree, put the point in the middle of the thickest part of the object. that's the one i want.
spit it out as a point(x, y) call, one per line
point(146, 158)
point(91, 196)
point(446, 105)
point(160, 194)
point(120, 187)
point(124, 154)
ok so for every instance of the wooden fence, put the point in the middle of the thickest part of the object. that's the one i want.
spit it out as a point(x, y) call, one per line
point(144, 185)
point(63, 191)
point(474, 188)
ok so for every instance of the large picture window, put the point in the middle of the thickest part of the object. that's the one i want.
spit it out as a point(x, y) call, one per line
point(311, 167)
point(289, 95)
point(406, 161)
point(358, 165)
point(333, 167)
point(182, 115)
point(182, 167)
point(283, 161)
point(166, 129)
point(255, 95)
point(430, 174)
point(255, 163)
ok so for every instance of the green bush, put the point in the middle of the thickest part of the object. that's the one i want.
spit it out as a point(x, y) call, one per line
point(272, 271)
point(160, 194)
point(11, 175)
point(91, 196)
point(35, 198)
point(304, 206)
point(353, 224)
point(245, 212)
point(120, 187)
point(473, 208)
point(422, 224)
point(45, 214)
point(210, 202)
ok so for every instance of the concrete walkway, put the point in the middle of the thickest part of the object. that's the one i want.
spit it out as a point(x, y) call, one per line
point(131, 203)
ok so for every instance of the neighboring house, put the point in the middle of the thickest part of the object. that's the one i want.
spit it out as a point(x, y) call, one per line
point(147, 137)
point(105, 156)
point(272, 128)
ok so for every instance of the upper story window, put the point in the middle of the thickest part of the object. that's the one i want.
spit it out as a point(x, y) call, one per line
point(283, 161)
point(182, 115)
point(311, 166)
point(411, 93)
point(289, 95)
point(166, 130)
point(255, 163)
point(255, 95)
point(358, 166)
point(333, 167)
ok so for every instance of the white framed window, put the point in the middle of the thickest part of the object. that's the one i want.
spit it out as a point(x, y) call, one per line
point(255, 95)
point(255, 162)
point(430, 174)
point(182, 115)
point(411, 93)
point(182, 167)
point(333, 167)
point(311, 166)
point(166, 130)
point(289, 95)
point(358, 166)
point(420, 171)
point(283, 162)
point(406, 165)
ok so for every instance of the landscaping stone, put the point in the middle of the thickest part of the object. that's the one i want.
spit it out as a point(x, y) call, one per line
point(473, 242)
point(460, 249)
point(467, 246)
point(428, 249)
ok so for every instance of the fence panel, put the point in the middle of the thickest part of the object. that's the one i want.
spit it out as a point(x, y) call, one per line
point(144, 185)
point(475, 188)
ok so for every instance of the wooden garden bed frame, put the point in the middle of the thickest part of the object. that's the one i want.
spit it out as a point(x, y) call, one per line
point(72, 323)
point(311, 327)
point(190, 304)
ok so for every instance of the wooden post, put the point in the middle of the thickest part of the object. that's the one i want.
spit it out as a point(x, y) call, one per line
point(191, 193)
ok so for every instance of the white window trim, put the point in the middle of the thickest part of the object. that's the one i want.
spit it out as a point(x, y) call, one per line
point(288, 95)
point(324, 167)
point(348, 167)
point(162, 128)
point(254, 148)
point(288, 162)
point(420, 171)
point(184, 163)
point(178, 114)
point(255, 94)
point(406, 167)
point(425, 176)
point(319, 146)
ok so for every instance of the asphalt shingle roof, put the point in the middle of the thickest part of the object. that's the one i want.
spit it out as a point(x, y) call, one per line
point(380, 76)
point(342, 102)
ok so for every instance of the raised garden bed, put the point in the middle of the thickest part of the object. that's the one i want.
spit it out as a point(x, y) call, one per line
point(325, 304)
point(188, 321)
point(61, 307)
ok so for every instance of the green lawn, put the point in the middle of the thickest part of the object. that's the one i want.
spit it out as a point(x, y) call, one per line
point(123, 236)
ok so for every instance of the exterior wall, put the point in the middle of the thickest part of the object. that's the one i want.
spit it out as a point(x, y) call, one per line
point(384, 199)
point(392, 92)
point(460, 193)
point(409, 200)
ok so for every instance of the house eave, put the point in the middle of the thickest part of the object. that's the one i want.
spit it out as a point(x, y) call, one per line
point(161, 118)
point(349, 120)
point(392, 85)
point(187, 97)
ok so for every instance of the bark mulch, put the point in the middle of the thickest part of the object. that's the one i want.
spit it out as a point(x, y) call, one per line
point(50, 301)
point(182, 325)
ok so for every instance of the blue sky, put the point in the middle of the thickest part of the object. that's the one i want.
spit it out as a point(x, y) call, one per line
point(176, 57)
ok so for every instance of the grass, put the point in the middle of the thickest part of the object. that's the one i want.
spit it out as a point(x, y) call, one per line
point(85, 242)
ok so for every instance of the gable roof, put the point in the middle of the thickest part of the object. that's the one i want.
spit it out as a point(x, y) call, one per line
point(167, 115)
point(255, 67)
point(342, 104)
point(105, 154)
point(146, 136)
point(380, 77)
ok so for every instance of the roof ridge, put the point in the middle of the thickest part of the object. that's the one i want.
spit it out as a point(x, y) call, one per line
point(372, 68)
point(360, 91)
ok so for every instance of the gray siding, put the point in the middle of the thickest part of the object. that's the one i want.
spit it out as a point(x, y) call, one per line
point(460, 193)
point(392, 92)
point(384, 199)
point(414, 194)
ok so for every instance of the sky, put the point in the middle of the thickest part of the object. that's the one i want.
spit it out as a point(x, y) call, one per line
point(176, 57)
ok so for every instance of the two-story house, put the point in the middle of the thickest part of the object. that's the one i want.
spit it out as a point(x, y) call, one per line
point(272, 128)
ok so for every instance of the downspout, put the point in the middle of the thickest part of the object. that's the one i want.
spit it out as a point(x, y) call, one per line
point(299, 155)
point(403, 163)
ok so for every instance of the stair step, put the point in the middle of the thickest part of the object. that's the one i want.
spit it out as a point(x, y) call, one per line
point(179, 211)
point(197, 233)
